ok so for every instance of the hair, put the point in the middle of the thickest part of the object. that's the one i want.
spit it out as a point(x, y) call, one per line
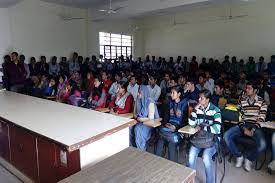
point(191, 80)
point(123, 85)
point(202, 75)
point(98, 91)
point(206, 94)
point(178, 89)
point(7, 57)
point(15, 53)
point(220, 83)
point(254, 84)
point(54, 58)
point(43, 57)
point(153, 76)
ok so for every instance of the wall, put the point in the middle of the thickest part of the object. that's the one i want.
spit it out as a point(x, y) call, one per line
point(252, 35)
point(34, 29)
point(5, 37)
point(126, 27)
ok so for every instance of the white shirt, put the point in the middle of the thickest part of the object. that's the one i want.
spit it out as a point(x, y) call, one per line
point(113, 89)
point(154, 92)
point(210, 85)
point(133, 90)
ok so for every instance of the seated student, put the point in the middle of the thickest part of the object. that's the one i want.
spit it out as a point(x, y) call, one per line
point(164, 84)
point(50, 90)
point(145, 110)
point(32, 67)
point(113, 89)
point(123, 101)
point(209, 83)
point(73, 93)
point(271, 165)
point(154, 89)
point(218, 98)
point(88, 83)
point(201, 82)
point(169, 131)
point(64, 66)
point(98, 96)
point(133, 87)
point(205, 110)
point(54, 68)
point(76, 78)
point(172, 82)
point(191, 92)
point(62, 81)
point(106, 81)
point(254, 111)
point(35, 90)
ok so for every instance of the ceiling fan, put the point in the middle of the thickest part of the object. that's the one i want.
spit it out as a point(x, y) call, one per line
point(231, 16)
point(111, 10)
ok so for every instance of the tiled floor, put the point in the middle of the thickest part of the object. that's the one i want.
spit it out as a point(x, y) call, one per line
point(236, 175)
point(7, 177)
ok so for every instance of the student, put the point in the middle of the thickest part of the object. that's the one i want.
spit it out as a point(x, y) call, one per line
point(242, 83)
point(107, 83)
point(5, 66)
point(169, 132)
point(193, 66)
point(123, 101)
point(218, 98)
point(133, 87)
point(89, 82)
point(209, 82)
point(54, 68)
point(154, 89)
point(32, 67)
point(254, 111)
point(271, 165)
point(191, 92)
point(64, 67)
point(42, 66)
point(164, 84)
point(113, 89)
point(98, 97)
point(16, 73)
point(146, 109)
point(50, 90)
point(22, 59)
point(62, 81)
point(205, 110)
point(201, 82)
point(73, 93)
point(73, 64)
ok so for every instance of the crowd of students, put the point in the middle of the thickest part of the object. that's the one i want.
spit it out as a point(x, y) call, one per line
point(156, 88)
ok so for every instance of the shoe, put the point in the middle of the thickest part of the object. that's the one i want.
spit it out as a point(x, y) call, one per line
point(247, 165)
point(239, 162)
point(271, 165)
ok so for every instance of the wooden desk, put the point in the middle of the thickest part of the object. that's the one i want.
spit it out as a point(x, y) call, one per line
point(49, 141)
point(153, 123)
point(127, 115)
point(188, 130)
point(104, 110)
point(134, 166)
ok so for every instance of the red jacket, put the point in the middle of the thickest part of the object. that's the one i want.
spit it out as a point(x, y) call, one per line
point(127, 108)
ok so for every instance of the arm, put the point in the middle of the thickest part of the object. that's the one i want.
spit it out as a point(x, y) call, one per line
point(157, 95)
point(216, 126)
point(262, 112)
point(151, 112)
point(128, 106)
point(100, 100)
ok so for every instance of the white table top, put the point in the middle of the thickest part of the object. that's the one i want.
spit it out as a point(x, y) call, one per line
point(134, 166)
point(68, 125)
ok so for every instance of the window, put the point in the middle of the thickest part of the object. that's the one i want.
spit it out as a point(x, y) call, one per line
point(113, 46)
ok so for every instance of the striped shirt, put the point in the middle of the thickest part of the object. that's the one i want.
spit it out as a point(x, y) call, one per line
point(211, 115)
point(255, 111)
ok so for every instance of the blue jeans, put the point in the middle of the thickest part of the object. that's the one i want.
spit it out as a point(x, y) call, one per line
point(252, 154)
point(142, 135)
point(172, 149)
point(208, 153)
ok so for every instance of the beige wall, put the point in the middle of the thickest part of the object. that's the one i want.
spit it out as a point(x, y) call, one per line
point(33, 28)
point(253, 35)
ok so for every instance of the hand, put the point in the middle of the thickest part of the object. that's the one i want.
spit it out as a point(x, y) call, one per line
point(170, 126)
point(197, 106)
point(249, 133)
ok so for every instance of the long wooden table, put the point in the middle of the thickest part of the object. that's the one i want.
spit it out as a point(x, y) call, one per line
point(44, 141)
point(134, 166)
